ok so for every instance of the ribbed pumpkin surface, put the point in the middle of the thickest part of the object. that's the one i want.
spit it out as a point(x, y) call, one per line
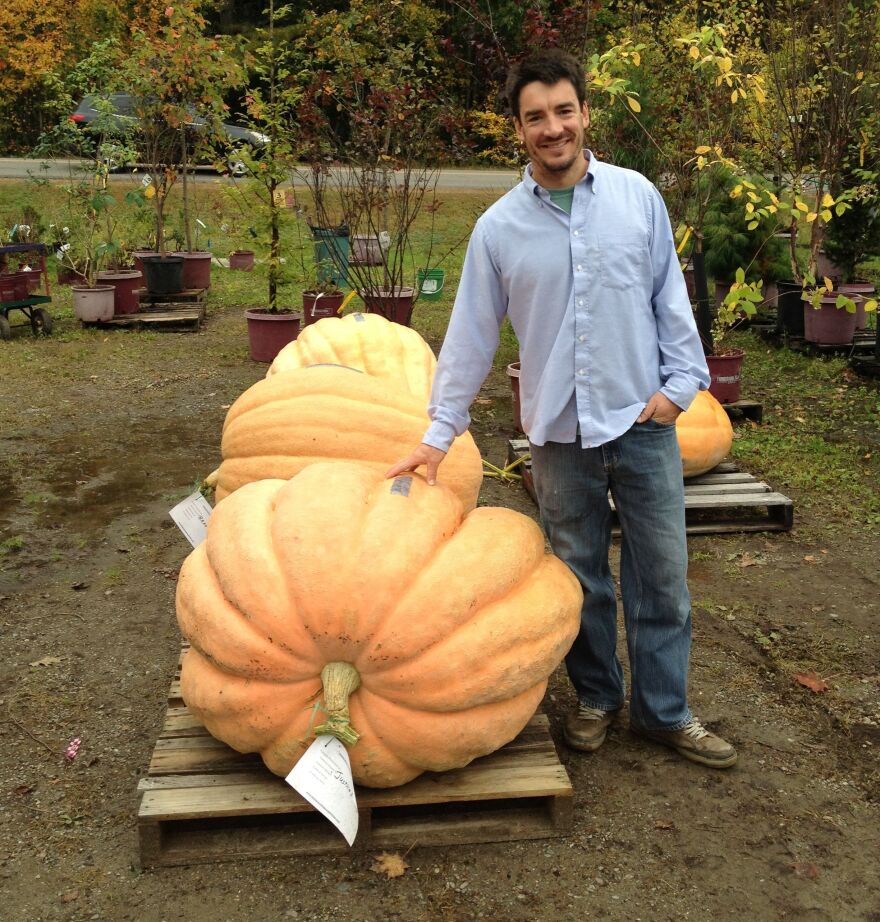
point(454, 624)
point(705, 434)
point(367, 342)
point(326, 412)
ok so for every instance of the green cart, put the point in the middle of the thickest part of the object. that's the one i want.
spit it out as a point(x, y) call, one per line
point(19, 291)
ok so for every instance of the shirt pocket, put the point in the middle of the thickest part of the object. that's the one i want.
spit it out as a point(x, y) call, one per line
point(625, 261)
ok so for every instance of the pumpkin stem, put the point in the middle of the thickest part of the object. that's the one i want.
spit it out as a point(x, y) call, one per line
point(340, 680)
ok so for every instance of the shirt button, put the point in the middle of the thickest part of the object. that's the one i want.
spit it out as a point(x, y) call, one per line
point(582, 371)
point(582, 338)
point(579, 267)
point(580, 302)
point(577, 233)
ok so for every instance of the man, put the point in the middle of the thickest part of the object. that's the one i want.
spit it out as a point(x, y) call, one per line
point(580, 256)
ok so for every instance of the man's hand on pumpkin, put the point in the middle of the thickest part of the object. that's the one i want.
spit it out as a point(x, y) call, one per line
point(424, 455)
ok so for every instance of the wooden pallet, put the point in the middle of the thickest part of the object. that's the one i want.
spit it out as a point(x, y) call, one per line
point(202, 802)
point(187, 296)
point(724, 500)
point(159, 315)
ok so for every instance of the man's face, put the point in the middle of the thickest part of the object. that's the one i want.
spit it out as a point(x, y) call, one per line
point(552, 125)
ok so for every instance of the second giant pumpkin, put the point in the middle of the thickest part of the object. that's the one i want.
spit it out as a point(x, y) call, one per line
point(705, 434)
point(289, 420)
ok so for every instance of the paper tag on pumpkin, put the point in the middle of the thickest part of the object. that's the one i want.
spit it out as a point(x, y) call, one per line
point(191, 517)
point(323, 777)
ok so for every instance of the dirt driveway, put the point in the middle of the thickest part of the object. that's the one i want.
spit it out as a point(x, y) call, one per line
point(100, 434)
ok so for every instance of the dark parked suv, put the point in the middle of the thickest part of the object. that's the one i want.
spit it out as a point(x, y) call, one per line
point(125, 120)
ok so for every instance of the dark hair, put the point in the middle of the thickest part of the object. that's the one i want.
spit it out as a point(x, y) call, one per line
point(549, 66)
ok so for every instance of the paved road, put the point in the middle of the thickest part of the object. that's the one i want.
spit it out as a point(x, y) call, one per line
point(12, 168)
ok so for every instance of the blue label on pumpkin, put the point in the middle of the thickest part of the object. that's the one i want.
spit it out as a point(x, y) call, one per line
point(401, 486)
point(360, 318)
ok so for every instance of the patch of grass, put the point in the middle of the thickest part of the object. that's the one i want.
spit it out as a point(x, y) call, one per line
point(821, 432)
point(10, 545)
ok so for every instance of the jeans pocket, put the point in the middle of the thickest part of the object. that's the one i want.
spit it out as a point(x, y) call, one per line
point(625, 261)
point(654, 425)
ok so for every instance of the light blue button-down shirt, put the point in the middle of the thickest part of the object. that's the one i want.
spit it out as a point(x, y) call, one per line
point(597, 301)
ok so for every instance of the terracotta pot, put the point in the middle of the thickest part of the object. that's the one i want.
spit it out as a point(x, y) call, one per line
point(860, 291)
point(725, 373)
point(243, 260)
point(196, 269)
point(269, 333)
point(513, 375)
point(93, 304)
point(126, 284)
point(317, 305)
point(829, 325)
point(392, 305)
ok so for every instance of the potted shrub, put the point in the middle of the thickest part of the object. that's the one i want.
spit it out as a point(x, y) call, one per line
point(725, 363)
point(855, 236)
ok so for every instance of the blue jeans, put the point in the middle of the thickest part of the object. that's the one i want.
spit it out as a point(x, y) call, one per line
point(642, 468)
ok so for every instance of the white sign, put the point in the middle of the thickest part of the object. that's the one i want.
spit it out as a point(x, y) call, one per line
point(191, 517)
point(323, 777)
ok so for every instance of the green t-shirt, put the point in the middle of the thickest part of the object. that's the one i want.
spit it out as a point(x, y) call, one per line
point(562, 197)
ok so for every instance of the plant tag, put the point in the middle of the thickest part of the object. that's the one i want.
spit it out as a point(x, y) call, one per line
point(147, 180)
point(191, 517)
point(323, 777)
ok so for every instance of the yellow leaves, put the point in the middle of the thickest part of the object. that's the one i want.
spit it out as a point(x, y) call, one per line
point(750, 208)
point(827, 200)
point(633, 103)
point(734, 95)
point(701, 162)
point(811, 216)
point(150, 191)
point(754, 197)
point(801, 206)
point(636, 58)
point(829, 285)
point(702, 149)
point(724, 65)
point(694, 52)
point(825, 215)
point(736, 191)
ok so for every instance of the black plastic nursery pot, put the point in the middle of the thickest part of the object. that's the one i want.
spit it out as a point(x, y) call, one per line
point(163, 275)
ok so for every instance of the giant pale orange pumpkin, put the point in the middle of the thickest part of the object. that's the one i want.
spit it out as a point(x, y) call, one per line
point(439, 630)
point(704, 434)
point(367, 342)
point(327, 412)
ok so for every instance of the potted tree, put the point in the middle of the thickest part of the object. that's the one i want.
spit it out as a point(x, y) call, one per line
point(375, 110)
point(271, 109)
point(819, 63)
point(176, 77)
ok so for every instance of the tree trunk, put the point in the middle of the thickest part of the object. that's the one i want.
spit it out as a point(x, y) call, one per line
point(184, 163)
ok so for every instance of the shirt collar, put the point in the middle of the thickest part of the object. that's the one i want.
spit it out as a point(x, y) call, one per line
point(593, 167)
